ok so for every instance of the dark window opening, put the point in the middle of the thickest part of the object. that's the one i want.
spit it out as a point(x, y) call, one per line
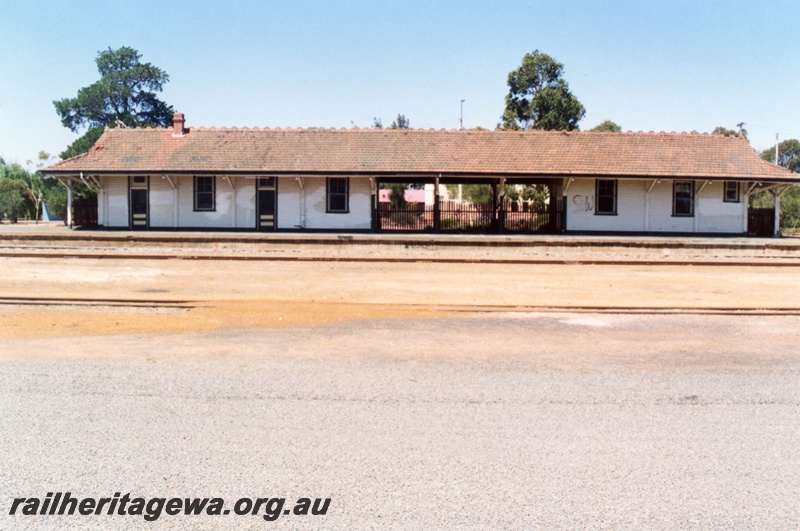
point(606, 196)
point(683, 198)
point(204, 193)
point(731, 192)
point(338, 195)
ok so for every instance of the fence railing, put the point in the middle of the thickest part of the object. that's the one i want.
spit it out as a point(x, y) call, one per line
point(84, 212)
point(469, 217)
point(413, 217)
point(760, 221)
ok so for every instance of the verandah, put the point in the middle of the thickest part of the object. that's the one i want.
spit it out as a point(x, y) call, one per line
point(490, 206)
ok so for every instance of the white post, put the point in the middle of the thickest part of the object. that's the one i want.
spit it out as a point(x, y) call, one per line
point(778, 193)
point(69, 204)
point(175, 200)
point(303, 200)
point(233, 199)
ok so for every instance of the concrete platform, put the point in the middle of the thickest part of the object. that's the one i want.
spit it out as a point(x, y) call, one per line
point(56, 238)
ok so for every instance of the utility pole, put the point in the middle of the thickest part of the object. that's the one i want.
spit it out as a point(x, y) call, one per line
point(776, 149)
point(461, 119)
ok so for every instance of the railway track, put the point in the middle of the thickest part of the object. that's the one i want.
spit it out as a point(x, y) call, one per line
point(93, 302)
point(445, 309)
point(279, 256)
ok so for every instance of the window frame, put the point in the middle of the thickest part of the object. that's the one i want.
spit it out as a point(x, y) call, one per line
point(737, 189)
point(675, 213)
point(213, 192)
point(614, 197)
point(331, 193)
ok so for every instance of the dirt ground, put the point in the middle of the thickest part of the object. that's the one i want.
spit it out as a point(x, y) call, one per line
point(414, 395)
point(47, 297)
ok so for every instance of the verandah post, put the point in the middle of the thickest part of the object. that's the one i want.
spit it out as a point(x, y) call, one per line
point(501, 213)
point(436, 207)
point(69, 203)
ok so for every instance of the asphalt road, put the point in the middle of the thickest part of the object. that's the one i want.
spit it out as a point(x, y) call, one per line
point(517, 420)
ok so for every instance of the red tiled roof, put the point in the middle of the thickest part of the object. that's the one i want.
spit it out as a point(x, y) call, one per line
point(424, 152)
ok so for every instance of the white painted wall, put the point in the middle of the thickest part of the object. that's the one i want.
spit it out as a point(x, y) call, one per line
point(712, 214)
point(221, 217)
point(236, 207)
point(661, 218)
point(715, 215)
point(162, 202)
point(581, 206)
point(291, 205)
point(245, 202)
point(116, 187)
point(297, 208)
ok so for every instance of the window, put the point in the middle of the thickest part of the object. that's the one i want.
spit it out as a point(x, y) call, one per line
point(266, 182)
point(337, 195)
point(606, 197)
point(731, 192)
point(683, 198)
point(204, 193)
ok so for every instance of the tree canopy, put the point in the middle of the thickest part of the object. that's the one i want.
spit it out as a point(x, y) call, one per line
point(22, 192)
point(788, 154)
point(125, 94)
point(539, 98)
point(607, 126)
point(788, 157)
point(401, 122)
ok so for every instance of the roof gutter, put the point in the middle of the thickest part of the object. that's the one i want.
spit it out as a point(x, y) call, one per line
point(424, 175)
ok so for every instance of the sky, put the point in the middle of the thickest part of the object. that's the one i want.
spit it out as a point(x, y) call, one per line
point(648, 65)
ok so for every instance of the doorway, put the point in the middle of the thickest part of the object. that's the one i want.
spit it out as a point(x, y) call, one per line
point(266, 197)
point(139, 202)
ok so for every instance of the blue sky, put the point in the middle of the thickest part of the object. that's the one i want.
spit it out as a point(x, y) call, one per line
point(648, 64)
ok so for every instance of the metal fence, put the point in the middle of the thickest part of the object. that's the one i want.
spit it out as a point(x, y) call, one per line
point(84, 212)
point(760, 221)
point(470, 218)
point(413, 217)
point(467, 217)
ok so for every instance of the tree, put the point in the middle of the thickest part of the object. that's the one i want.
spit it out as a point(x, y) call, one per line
point(536, 194)
point(35, 183)
point(788, 154)
point(12, 198)
point(124, 95)
point(608, 126)
point(401, 122)
point(397, 197)
point(473, 193)
point(788, 157)
point(82, 144)
point(539, 98)
point(56, 198)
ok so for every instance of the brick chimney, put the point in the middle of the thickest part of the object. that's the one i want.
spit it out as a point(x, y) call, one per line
point(178, 124)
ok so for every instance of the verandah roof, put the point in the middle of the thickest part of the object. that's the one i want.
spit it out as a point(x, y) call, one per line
point(424, 152)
